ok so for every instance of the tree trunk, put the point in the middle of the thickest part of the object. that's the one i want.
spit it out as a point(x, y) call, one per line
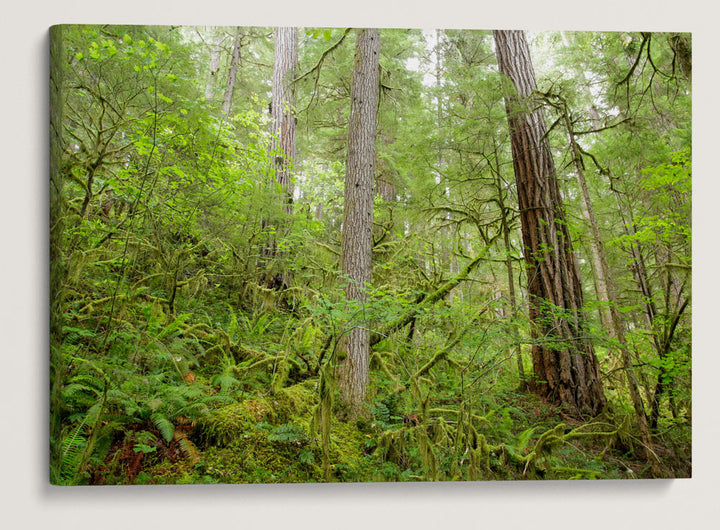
point(282, 112)
point(214, 67)
point(662, 329)
point(447, 261)
point(232, 73)
point(606, 292)
point(566, 370)
point(356, 255)
point(282, 148)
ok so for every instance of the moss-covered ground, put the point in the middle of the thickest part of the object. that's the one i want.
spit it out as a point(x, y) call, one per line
point(275, 438)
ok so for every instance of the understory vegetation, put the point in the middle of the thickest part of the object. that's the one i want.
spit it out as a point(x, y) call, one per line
point(199, 308)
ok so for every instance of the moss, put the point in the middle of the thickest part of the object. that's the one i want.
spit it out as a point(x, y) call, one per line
point(345, 443)
point(295, 400)
point(241, 443)
point(175, 473)
point(347, 460)
point(227, 424)
point(255, 459)
point(224, 425)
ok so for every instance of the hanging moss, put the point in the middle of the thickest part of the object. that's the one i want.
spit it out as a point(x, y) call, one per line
point(427, 454)
point(322, 415)
point(281, 375)
point(393, 446)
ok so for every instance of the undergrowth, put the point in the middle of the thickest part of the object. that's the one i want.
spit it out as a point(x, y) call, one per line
point(157, 409)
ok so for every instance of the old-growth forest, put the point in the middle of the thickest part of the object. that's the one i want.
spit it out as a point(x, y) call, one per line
point(351, 255)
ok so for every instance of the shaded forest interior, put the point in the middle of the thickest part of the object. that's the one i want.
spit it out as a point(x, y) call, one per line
point(347, 255)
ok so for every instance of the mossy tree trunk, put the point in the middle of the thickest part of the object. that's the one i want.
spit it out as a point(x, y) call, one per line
point(356, 253)
point(566, 370)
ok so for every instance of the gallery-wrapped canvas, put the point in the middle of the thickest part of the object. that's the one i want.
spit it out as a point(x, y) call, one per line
point(353, 254)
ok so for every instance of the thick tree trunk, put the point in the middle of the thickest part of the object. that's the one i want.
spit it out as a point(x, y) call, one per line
point(282, 112)
point(565, 367)
point(232, 73)
point(282, 147)
point(356, 253)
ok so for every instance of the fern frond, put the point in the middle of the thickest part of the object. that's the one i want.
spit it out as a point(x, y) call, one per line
point(524, 438)
point(193, 410)
point(226, 382)
point(86, 382)
point(187, 447)
point(71, 449)
point(164, 425)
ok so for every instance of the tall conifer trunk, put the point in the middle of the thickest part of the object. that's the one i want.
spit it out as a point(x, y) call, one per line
point(214, 67)
point(356, 252)
point(282, 147)
point(282, 109)
point(232, 72)
point(566, 370)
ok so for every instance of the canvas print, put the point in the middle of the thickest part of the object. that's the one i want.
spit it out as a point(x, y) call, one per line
point(353, 254)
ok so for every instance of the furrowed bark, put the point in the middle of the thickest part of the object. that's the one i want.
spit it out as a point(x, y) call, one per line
point(566, 371)
point(356, 255)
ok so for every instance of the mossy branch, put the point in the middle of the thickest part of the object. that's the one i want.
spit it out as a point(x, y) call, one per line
point(412, 312)
point(476, 417)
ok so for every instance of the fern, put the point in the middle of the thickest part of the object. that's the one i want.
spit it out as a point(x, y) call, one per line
point(381, 412)
point(523, 439)
point(174, 326)
point(226, 382)
point(88, 382)
point(72, 447)
point(289, 433)
point(74, 335)
point(164, 425)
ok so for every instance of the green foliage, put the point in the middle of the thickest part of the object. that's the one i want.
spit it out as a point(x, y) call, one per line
point(181, 364)
point(289, 433)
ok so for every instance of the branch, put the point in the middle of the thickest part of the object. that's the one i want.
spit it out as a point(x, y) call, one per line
point(442, 354)
point(327, 52)
point(412, 312)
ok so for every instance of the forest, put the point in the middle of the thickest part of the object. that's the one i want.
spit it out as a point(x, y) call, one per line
point(368, 255)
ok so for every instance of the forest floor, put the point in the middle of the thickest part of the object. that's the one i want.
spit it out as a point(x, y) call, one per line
point(266, 437)
point(175, 400)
